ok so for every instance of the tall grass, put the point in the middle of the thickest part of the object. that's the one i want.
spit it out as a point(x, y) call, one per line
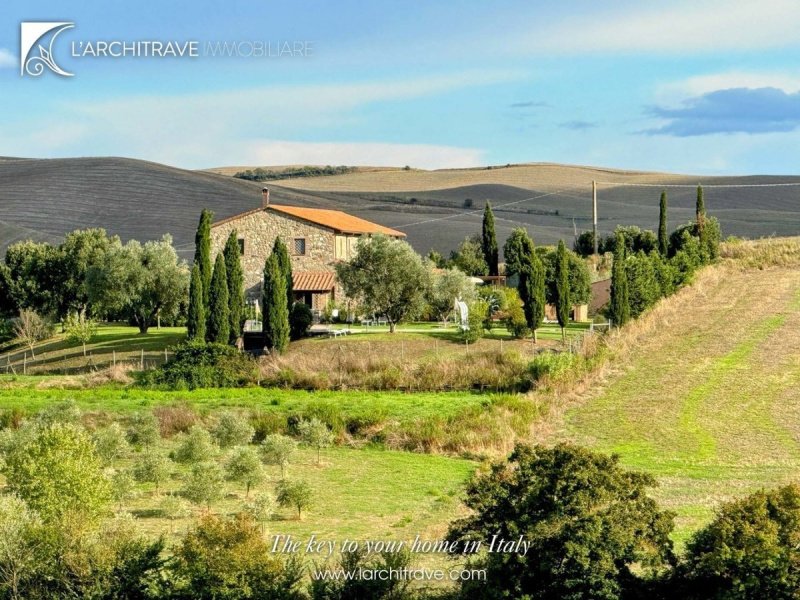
point(763, 253)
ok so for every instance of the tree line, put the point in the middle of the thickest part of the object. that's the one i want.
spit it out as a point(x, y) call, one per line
point(647, 266)
point(91, 276)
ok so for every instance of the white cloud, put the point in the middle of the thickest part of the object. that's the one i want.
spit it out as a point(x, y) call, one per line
point(249, 126)
point(274, 152)
point(7, 60)
point(675, 28)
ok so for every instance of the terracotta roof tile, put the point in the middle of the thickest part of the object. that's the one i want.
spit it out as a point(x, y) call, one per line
point(336, 220)
point(312, 281)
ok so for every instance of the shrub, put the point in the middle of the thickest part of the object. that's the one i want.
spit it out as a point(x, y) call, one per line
point(476, 320)
point(143, 429)
point(593, 530)
point(110, 442)
point(200, 365)
point(152, 467)
point(123, 486)
point(205, 483)
point(749, 550)
point(232, 430)
point(261, 508)
point(230, 559)
point(176, 418)
point(60, 412)
point(300, 320)
point(56, 470)
point(174, 507)
point(194, 447)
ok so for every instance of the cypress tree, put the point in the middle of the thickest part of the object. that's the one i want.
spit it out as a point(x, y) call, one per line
point(276, 312)
point(489, 240)
point(663, 240)
point(700, 207)
point(233, 269)
point(202, 251)
point(620, 310)
point(279, 249)
point(196, 314)
point(532, 290)
point(218, 322)
point(563, 302)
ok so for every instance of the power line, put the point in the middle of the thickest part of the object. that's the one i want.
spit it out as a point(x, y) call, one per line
point(690, 185)
point(474, 212)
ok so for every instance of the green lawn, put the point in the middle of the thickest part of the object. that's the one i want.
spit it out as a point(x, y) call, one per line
point(710, 400)
point(32, 393)
point(112, 342)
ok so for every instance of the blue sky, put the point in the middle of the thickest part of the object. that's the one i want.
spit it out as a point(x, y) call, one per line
point(695, 87)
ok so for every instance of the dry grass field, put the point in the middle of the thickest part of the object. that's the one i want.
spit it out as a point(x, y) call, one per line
point(704, 390)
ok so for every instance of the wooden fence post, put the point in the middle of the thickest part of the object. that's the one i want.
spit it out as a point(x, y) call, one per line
point(25, 363)
point(141, 361)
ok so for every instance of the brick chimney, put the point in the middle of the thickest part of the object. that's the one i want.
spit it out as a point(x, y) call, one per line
point(265, 198)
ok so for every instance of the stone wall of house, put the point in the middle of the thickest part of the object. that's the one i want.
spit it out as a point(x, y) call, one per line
point(259, 229)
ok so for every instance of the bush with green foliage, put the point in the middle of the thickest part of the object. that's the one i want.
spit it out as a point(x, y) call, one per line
point(143, 429)
point(152, 467)
point(377, 588)
point(58, 473)
point(230, 559)
point(594, 531)
point(123, 486)
point(232, 429)
point(477, 320)
point(194, 447)
point(749, 550)
point(200, 365)
point(204, 484)
point(300, 320)
point(644, 289)
point(110, 442)
point(578, 276)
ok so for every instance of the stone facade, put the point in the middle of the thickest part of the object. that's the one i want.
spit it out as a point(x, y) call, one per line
point(259, 228)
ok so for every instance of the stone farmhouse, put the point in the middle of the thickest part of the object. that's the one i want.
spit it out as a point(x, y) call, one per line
point(316, 238)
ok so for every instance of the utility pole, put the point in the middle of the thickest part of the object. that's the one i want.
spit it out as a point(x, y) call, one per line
point(594, 215)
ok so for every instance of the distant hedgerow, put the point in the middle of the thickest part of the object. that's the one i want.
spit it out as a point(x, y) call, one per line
point(201, 365)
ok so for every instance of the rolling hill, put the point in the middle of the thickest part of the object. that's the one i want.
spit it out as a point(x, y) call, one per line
point(43, 199)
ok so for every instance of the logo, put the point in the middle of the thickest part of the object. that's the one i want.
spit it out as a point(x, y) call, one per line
point(31, 63)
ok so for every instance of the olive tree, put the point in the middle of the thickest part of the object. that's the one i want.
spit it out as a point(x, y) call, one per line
point(195, 446)
point(295, 494)
point(232, 429)
point(388, 277)
point(448, 286)
point(18, 556)
point(277, 449)
point(315, 434)
point(142, 281)
point(152, 467)
point(244, 466)
point(204, 484)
